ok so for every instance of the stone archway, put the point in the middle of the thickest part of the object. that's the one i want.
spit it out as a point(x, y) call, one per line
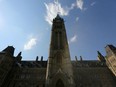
point(59, 83)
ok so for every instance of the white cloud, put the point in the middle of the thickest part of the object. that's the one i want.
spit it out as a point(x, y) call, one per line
point(29, 45)
point(73, 39)
point(93, 3)
point(53, 8)
point(77, 18)
point(72, 6)
point(79, 4)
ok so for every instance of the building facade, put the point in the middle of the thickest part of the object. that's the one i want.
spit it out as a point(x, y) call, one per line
point(59, 70)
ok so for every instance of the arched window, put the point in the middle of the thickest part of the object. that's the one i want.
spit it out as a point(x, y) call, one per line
point(43, 85)
point(59, 83)
point(37, 86)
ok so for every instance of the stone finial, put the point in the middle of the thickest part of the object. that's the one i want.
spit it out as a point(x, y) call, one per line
point(37, 58)
point(76, 58)
point(19, 55)
point(41, 58)
point(81, 59)
point(101, 57)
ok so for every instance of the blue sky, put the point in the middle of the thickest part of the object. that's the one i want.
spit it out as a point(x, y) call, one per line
point(26, 25)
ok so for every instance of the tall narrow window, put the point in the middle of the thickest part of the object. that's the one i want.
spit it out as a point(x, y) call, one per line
point(56, 40)
point(60, 40)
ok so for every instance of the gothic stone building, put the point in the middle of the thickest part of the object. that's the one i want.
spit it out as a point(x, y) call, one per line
point(58, 70)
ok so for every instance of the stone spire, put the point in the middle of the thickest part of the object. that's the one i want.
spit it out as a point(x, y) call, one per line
point(101, 57)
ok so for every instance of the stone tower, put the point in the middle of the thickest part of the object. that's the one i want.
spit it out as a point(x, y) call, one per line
point(111, 58)
point(59, 67)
